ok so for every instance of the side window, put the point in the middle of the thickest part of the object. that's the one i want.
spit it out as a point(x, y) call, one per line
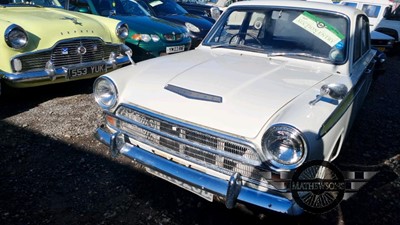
point(365, 38)
point(361, 38)
point(351, 4)
point(144, 5)
point(371, 10)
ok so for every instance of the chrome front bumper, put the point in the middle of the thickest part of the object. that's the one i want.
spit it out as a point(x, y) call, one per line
point(231, 190)
point(45, 76)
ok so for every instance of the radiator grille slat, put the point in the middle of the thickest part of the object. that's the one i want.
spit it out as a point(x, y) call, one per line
point(65, 53)
point(207, 149)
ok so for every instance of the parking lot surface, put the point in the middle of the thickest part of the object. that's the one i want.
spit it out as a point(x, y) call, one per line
point(53, 171)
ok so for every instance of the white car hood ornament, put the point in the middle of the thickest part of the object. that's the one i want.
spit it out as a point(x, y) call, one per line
point(193, 94)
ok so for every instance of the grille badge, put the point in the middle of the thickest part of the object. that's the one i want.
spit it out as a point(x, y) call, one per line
point(64, 51)
point(81, 50)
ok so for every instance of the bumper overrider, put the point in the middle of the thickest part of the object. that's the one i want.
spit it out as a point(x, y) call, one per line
point(232, 191)
point(52, 73)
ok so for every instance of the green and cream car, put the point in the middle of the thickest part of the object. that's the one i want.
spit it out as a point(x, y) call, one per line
point(45, 44)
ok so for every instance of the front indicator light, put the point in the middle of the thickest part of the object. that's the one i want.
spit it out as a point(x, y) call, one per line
point(17, 65)
point(141, 37)
point(111, 120)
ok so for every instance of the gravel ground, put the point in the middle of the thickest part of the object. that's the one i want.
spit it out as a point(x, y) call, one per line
point(53, 171)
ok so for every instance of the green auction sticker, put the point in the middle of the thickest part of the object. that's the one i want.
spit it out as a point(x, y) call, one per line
point(319, 28)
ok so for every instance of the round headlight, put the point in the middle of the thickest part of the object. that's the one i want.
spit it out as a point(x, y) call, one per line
point(16, 37)
point(155, 37)
point(284, 146)
point(105, 93)
point(192, 27)
point(145, 37)
point(122, 30)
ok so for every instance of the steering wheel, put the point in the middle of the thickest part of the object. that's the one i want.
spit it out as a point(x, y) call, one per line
point(246, 34)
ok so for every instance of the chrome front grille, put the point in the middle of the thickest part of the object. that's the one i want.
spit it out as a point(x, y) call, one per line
point(173, 37)
point(207, 148)
point(65, 53)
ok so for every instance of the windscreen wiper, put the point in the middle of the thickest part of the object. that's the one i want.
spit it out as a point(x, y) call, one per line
point(298, 54)
point(242, 47)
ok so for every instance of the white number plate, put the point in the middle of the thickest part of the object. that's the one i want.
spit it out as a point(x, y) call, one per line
point(175, 49)
point(72, 73)
point(198, 191)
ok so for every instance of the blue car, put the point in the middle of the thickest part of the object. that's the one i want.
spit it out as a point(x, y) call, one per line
point(170, 10)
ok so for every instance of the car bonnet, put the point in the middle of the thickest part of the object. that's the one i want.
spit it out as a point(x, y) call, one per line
point(49, 25)
point(148, 24)
point(201, 23)
point(238, 94)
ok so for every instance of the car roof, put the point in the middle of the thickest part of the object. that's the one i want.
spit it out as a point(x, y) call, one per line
point(377, 2)
point(349, 11)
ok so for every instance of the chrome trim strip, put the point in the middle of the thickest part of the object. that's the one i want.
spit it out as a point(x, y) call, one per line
point(66, 41)
point(201, 180)
point(193, 94)
point(43, 75)
point(345, 103)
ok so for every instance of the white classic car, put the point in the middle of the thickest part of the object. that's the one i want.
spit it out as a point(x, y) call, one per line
point(274, 84)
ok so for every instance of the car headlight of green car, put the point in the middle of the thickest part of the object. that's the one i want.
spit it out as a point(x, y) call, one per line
point(16, 37)
point(146, 37)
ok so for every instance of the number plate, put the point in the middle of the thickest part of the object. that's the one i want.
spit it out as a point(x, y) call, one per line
point(72, 73)
point(198, 191)
point(175, 49)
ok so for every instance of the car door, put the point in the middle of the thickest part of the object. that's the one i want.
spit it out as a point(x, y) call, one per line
point(363, 62)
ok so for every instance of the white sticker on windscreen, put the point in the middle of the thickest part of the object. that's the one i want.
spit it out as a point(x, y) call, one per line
point(319, 28)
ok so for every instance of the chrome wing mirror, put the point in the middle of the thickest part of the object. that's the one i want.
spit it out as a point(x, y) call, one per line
point(333, 91)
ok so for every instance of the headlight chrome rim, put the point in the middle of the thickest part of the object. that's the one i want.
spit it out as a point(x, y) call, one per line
point(293, 133)
point(122, 30)
point(105, 92)
point(16, 37)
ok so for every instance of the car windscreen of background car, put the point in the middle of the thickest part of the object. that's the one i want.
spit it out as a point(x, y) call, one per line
point(167, 7)
point(45, 3)
point(121, 7)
